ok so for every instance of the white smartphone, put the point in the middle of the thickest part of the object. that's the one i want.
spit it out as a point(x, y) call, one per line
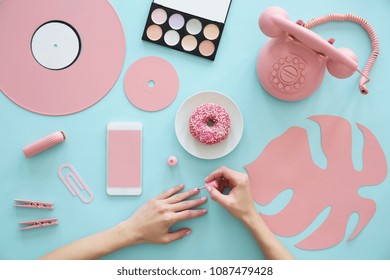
point(124, 159)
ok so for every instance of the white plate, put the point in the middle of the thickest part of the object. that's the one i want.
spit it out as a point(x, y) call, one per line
point(193, 146)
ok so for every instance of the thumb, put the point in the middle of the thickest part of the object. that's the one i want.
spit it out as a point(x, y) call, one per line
point(217, 196)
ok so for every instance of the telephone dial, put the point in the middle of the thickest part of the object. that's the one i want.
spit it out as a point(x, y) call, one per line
point(291, 65)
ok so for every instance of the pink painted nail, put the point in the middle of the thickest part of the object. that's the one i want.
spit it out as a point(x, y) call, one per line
point(188, 232)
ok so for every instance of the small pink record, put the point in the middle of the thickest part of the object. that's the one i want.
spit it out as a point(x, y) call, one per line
point(151, 84)
point(59, 57)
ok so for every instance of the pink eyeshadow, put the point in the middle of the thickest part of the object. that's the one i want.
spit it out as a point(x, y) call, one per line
point(159, 16)
point(206, 48)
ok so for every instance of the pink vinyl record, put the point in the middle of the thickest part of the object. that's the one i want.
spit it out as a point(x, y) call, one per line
point(151, 84)
point(59, 57)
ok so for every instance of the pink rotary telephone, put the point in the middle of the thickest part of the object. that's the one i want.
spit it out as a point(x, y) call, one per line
point(291, 65)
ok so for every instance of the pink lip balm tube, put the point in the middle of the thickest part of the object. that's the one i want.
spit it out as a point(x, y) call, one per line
point(44, 144)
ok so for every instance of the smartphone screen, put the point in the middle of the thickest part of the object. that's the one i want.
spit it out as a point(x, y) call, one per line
point(124, 159)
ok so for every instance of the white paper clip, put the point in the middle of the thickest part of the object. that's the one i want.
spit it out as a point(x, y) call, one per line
point(74, 183)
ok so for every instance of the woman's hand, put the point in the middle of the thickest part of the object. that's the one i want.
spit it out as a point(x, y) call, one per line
point(152, 221)
point(239, 201)
point(149, 224)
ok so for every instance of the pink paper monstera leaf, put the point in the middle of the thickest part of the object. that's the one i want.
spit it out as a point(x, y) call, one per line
point(286, 163)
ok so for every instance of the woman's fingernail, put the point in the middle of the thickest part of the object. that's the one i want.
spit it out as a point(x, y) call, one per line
point(188, 232)
point(196, 190)
point(203, 199)
point(206, 178)
point(208, 189)
point(205, 210)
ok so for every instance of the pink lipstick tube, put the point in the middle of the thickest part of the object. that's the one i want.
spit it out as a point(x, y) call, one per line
point(44, 144)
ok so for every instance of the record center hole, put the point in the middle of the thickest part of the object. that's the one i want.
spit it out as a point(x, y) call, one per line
point(151, 84)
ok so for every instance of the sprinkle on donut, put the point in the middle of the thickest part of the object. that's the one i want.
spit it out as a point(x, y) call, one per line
point(210, 123)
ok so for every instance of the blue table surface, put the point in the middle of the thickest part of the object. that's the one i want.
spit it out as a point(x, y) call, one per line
point(217, 235)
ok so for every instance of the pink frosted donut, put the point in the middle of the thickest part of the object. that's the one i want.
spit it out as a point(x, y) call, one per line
point(210, 123)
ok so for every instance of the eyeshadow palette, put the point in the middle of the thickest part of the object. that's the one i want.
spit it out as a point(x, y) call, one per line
point(186, 26)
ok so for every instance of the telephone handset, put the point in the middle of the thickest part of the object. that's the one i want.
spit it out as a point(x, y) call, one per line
point(291, 65)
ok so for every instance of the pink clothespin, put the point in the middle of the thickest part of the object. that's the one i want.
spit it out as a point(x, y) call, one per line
point(39, 223)
point(33, 204)
point(213, 184)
